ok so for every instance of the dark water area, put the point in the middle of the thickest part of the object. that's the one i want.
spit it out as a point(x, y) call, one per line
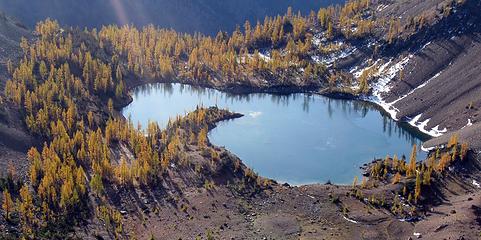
point(296, 138)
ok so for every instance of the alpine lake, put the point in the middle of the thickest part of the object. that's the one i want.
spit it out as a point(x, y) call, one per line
point(295, 138)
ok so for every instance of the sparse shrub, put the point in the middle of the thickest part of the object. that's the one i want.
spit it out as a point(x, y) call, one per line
point(209, 185)
point(396, 178)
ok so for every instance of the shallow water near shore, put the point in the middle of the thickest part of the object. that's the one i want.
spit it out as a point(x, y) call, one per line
point(295, 138)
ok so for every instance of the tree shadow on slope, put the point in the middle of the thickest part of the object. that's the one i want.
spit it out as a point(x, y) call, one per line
point(456, 181)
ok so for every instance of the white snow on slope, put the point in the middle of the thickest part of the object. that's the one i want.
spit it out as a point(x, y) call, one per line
point(425, 149)
point(470, 123)
point(381, 7)
point(349, 220)
point(475, 183)
point(318, 39)
point(333, 57)
point(385, 74)
point(435, 132)
point(424, 46)
point(266, 56)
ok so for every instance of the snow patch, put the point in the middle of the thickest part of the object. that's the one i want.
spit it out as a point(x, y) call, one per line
point(357, 73)
point(425, 45)
point(381, 7)
point(385, 75)
point(415, 119)
point(349, 220)
point(441, 132)
point(354, 69)
point(266, 56)
point(424, 149)
point(333, 57)
point(470, 123)
point(387, 72)
point(317, 40)
point(475, 183)
point(434, 132)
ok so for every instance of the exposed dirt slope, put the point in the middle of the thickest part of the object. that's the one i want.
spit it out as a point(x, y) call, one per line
point(442, 80)
point(430, 76)
point(457, 214)
point(405, 9)
point(14, 140)
point(446, 78)
point(471, 134)
point(284, 212)
point(10, 34)
point(305, 212)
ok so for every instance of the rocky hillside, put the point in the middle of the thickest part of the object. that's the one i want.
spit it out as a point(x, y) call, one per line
point(10, 35)
point(99, 176)
point(206, 16)
point(431, 75)
point(14, 139)
point(441, 81)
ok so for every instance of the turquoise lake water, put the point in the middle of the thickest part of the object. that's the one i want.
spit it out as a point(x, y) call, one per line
point(296, 138)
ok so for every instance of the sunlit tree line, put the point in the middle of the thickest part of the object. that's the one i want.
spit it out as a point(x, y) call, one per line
point(69, 104)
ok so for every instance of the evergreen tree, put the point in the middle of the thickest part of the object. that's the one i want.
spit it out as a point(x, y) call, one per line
point(411, 170)
point(417, 189)
point(7, 204)
point(96, 184)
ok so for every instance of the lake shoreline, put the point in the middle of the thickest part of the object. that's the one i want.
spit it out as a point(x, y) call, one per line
point(312, 117)
point(311, 210)
point(284, 90)
point(308, 203)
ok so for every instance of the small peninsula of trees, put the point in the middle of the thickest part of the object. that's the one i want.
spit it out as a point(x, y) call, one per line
point(53, 87)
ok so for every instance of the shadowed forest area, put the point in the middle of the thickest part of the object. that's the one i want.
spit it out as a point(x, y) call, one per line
point(205, 16)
